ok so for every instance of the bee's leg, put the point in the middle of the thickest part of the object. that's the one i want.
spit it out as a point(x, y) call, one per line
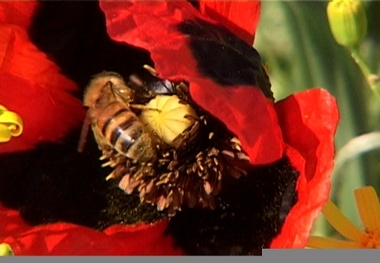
point(84, 132)
point(136, 80)
point(151, 70)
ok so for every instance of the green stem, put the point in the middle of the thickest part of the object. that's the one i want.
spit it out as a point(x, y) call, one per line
point(372, 79)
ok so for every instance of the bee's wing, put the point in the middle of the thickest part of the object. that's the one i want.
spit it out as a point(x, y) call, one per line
point(147, 84)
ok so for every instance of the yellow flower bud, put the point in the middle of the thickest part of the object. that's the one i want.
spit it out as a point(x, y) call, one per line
point(348, 21)
point(10, 124)
point(167, 117)
point(6, 250)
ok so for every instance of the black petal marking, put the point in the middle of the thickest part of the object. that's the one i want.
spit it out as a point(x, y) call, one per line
point(224, 57)
point(74, 36)
point(251, 213)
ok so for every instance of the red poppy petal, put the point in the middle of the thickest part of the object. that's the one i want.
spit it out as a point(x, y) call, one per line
point(32, 86)
point(309, 120)
point(17, 13)
point(11, 223)
point(241, 17)
point(245, 110)
point(69, 239)
point(152, 26)
point(248, 114)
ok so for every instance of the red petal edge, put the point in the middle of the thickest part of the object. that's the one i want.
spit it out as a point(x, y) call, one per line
point(70, 239)
point(309, 120)
point(240, 17)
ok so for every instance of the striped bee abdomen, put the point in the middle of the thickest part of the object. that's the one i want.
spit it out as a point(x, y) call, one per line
point(125, 133)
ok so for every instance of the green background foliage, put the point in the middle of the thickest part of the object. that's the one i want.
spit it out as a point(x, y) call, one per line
point(295, 41)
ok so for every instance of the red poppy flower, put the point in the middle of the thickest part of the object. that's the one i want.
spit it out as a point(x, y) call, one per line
point(32, 85)
point(301, 126)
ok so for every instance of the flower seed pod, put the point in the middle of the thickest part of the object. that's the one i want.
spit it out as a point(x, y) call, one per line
point(168, 117)
point(348, 21)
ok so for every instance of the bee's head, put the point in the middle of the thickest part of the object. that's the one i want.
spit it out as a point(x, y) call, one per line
point(104, 87)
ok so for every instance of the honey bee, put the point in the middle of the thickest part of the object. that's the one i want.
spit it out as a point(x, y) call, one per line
point(115, 126)
point(158, 141)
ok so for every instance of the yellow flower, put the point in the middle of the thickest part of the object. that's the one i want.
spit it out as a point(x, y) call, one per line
point(369, 210)
point(10, 124)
